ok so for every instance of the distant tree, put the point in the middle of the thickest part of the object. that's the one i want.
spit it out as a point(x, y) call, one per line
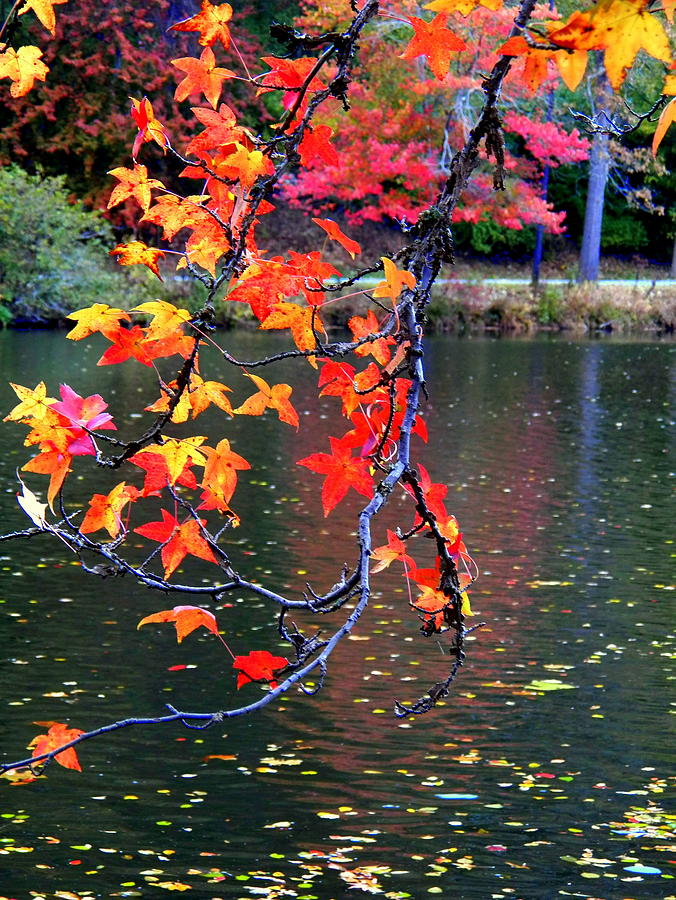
point(76, 123)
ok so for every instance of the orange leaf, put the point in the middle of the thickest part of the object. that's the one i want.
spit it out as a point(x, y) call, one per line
point(276, 397)
point(211, 22)
point(534, 61)
point(127, 343)
point(572, 65)
point(202, 76)
point(58, 735)
point(133, 183)
point(667, 118)
point(53, 463)
point(137, 252)
point(199, 395)
point(435, 41)
point(237, 162)
point(186, 619)
point(220, 476)
point(395, 280)
point(338, 379)
point(258, 665)
point(105, 510)
point(220, 127)
point(362, 327)
point(173, 213)
point(395, 549)
point(300, 321)
point(333, 230)
point(179, 540)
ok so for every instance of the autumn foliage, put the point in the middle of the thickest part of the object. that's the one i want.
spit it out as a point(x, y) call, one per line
point(178, 495)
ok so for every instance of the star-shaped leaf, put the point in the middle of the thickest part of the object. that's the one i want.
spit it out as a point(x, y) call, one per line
point(435, 41)
point(211, 22)
point(178, 539)
point(23, 67)
point(186, 619)
point(275, 397)
point(34, 403)
point(133, 183)
point(395, 280)
point(137, 252)
point(202, 76)
point(342, 470)
point(58, 735)
point(258, 665)
point(99, 317)
point(105, 510)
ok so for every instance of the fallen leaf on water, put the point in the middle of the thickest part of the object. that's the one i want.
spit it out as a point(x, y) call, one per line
point(548, 684)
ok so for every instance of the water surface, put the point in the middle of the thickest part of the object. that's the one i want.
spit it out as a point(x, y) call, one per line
point(545, 774)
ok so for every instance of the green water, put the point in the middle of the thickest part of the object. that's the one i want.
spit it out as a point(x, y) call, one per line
point(545, 774)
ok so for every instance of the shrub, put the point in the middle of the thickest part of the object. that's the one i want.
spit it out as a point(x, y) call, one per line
point(53, 252)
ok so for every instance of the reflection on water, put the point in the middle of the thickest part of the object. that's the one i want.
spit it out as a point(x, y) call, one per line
point(544, 775)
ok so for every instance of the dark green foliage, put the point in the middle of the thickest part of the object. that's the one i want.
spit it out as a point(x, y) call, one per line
point(53, 253)
point(489, 239)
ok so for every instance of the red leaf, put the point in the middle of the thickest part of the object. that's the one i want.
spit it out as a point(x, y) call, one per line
point(180, 540)
point(258, 665)
point(343, 471)
point(316, 146)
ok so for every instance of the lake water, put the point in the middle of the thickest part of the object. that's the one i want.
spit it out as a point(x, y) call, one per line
point(545, 774)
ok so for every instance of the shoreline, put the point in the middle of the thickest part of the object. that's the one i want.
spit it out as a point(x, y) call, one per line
point(493, 305)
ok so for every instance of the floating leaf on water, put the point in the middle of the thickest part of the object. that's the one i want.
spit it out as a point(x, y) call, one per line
point(638, 869)
point(548, 684)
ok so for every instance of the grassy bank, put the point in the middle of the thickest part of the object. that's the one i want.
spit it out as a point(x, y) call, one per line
point(460, 306)
point(576, 307)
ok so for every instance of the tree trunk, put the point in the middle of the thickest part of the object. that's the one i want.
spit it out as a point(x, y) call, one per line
point(540, 235)
point(590, 252)
point(599, 166)
point(673, 260)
